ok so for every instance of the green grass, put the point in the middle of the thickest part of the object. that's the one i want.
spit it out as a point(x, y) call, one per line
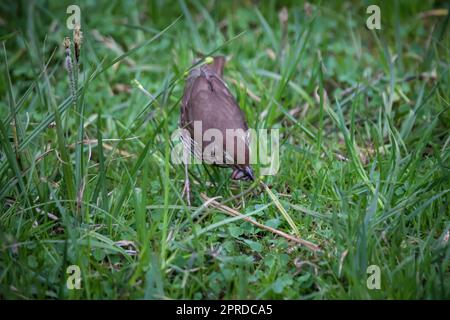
point(365, 173)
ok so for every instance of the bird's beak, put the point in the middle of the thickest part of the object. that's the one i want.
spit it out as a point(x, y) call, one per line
point(249, 173)
point(245, 174)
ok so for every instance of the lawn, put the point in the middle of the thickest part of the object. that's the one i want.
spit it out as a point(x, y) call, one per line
point(88, 190)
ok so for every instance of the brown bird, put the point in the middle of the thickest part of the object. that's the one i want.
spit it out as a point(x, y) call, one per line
point(207, 100)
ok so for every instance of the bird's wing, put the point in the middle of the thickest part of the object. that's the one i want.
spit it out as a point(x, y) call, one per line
point(207, 99)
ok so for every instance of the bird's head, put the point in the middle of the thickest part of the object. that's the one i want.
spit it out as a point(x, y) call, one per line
point(244, 173)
